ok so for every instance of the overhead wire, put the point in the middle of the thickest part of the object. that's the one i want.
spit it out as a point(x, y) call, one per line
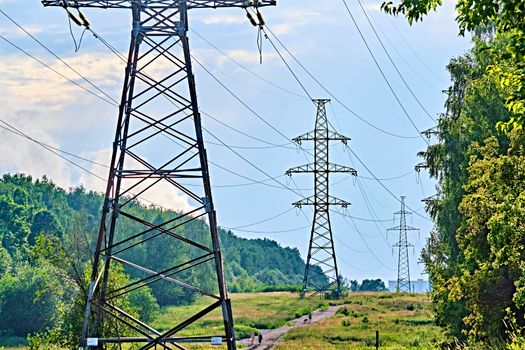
point(394, 64)
point(383, 185)
point(335, 97)
point(56, 56)
point(415, 51)
point(390, 87)
point(407, 64)
point(244, 67)
point(56, 71)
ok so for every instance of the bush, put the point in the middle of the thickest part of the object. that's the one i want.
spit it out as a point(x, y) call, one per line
point(23, 308)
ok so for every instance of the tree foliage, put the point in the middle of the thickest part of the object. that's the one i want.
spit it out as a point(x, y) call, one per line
point(47, 237)
point(507, 19)
point(475, 254)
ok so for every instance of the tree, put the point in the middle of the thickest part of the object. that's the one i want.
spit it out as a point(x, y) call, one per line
point(29, 301)
point(376, 285)
point(44, 222)
point(507, 18)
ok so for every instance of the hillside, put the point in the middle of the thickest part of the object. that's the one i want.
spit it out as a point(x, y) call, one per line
point(47, 238)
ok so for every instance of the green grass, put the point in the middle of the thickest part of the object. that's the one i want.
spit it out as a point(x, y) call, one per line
point(251, 312)
point(404, 321)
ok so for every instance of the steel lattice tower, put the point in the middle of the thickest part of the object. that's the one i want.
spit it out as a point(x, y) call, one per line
point(403, 266)
point(158, 142)
point(321, 260)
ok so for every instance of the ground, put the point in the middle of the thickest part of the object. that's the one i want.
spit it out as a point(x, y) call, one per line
point(404, 321)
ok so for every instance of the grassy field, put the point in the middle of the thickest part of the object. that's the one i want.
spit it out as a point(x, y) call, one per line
point(251, 312)
point(404, 322)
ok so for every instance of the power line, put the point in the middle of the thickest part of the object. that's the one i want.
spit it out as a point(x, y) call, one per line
point(415, 51)
point(20, 133)
point(56, 56)
point(394, 64)
point(334, 97)
point(383, 74)
point(240, 100)
point(244, 67)
point(383, 185)
point(408, 65)
point(55, 71)
point(277, 231)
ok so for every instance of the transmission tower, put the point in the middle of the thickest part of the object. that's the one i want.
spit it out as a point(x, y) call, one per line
point(403, 266)
point(158, 142)
point(321, 270)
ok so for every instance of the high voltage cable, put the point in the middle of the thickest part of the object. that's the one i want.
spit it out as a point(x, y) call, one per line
point(19, 133)
point(383, 185)
point(365, 242)
point(333, 96)
point(283, 145)
point(244, 82)
point(57, 57)
point(394, 64)
point(244, 67)
point(240, 100)
point(383, 74)
point(415, 51)
point(54, 70)
point(407, 64)
point(277, 231)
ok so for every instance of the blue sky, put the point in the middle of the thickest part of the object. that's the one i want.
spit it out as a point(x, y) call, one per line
point(47, 107)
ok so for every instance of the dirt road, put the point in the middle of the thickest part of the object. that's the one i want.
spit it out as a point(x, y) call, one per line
point(272, 336)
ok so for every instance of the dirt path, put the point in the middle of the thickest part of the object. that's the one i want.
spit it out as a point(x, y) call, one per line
point(272, 336)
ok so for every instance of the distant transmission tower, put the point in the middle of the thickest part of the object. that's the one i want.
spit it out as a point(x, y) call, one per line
point(321, 263)
point(403, 266)
point(158, 148)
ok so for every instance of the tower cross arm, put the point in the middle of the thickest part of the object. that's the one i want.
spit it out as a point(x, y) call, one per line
point(406, 244)
point(127, 4)
point(327, 135)
point(408, 228)
point(330, 168)
point(307, 168)
point(329, 201)
point(336, 168)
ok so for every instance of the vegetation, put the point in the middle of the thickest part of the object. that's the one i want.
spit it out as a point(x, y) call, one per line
point(475, 255)
point(368, 285)
point(404, 321)
point(47, 239)
point(506, 18)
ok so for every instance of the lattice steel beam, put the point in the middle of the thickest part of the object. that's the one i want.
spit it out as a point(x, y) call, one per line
point(403, 263)
point(321, 272)
point(158, 141)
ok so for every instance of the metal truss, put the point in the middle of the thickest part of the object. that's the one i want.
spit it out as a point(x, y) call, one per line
point(321, 272)
point(157, 4)
point(158, 142)
point(403, 266)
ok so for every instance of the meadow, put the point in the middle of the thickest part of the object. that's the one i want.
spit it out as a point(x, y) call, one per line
point(404, 321)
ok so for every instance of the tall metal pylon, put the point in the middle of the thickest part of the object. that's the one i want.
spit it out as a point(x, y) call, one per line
point(158, 142)
point(403, 266)
point(321, 270)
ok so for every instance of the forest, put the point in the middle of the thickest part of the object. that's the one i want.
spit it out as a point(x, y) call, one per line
point(475, 256)
point(48, 234)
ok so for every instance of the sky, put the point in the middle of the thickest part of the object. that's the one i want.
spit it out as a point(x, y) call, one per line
point(37, 98)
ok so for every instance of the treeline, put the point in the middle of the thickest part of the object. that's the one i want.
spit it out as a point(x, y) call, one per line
point(47, 237)
point(476, 255)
